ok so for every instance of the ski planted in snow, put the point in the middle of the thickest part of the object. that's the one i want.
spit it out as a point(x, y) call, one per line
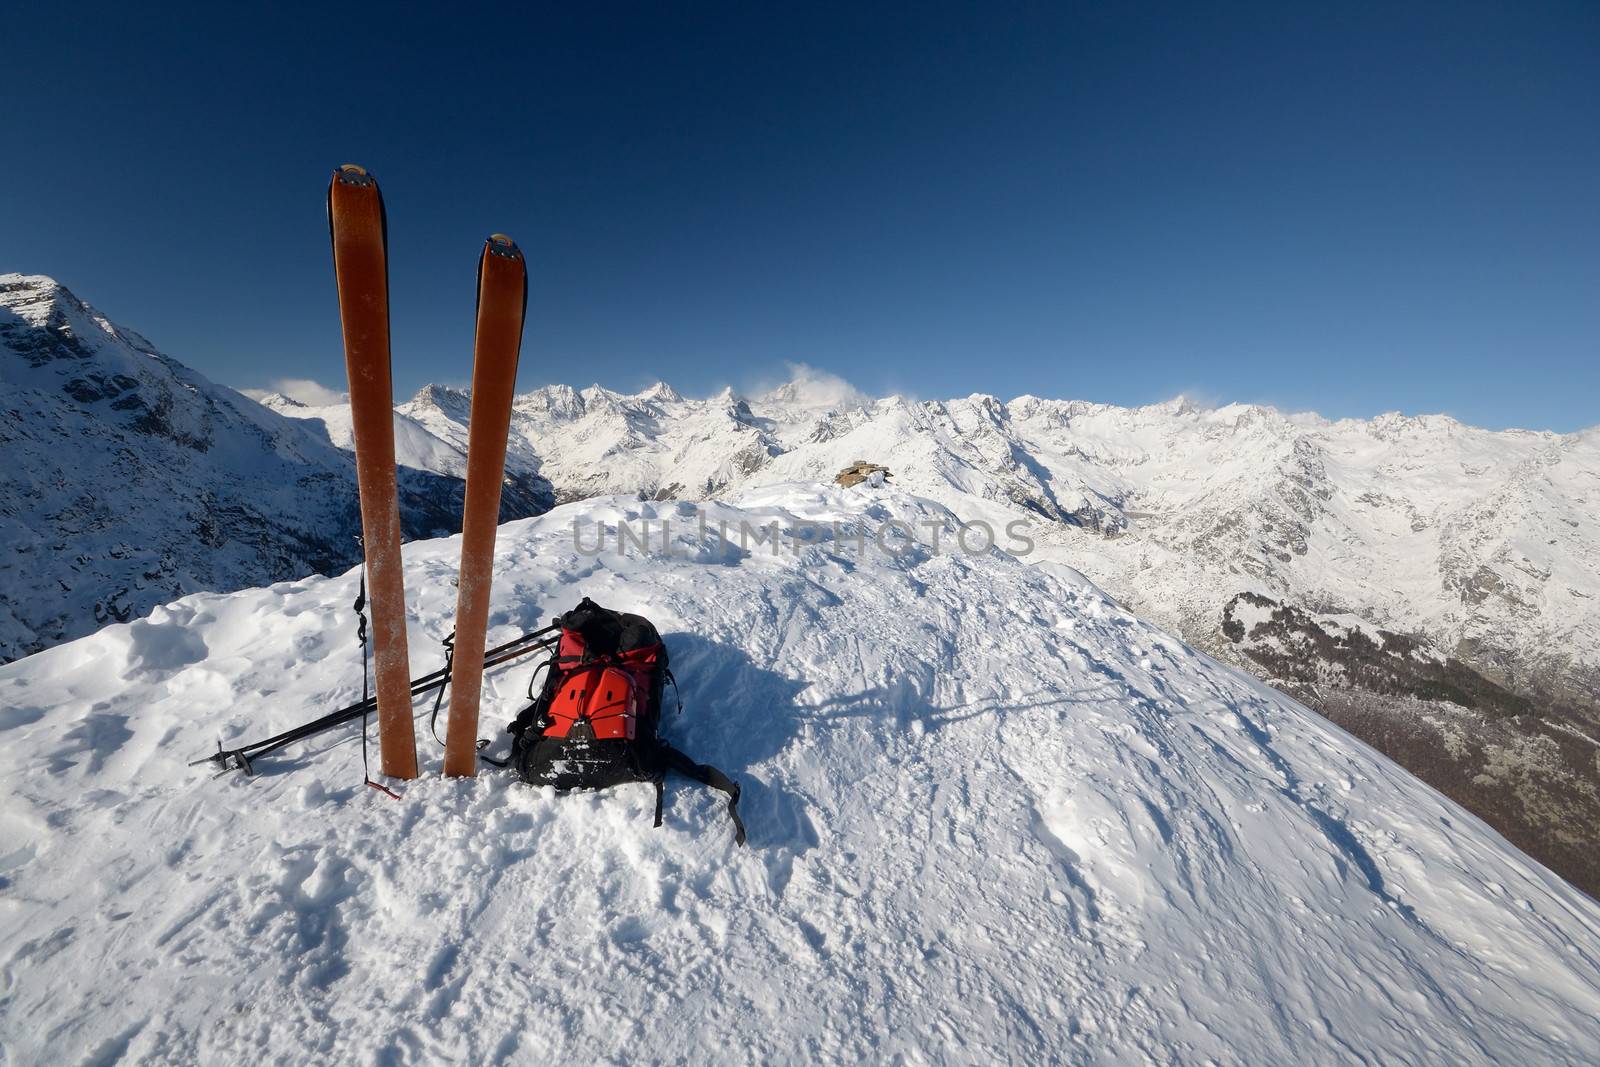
point(502, 303)
point(361, 270)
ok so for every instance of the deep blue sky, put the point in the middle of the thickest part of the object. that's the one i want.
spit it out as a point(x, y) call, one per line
point(1355, 209)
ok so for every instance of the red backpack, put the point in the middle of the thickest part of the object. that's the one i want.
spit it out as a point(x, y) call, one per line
point(595, 722)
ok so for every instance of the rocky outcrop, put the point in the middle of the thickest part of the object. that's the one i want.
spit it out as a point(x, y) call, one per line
point(861, 471)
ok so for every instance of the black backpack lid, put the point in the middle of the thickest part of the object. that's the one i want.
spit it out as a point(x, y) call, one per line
point(606, 632)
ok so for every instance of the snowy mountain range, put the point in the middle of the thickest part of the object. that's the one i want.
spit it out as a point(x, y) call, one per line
point(1431, 586)
point(1486, 544)
point(131, 480)
point(1478, 550)
point(993, 818)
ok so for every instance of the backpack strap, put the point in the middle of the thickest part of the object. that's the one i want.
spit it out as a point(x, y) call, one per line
point(449, 660)
point(666, 673)
point(705, 775)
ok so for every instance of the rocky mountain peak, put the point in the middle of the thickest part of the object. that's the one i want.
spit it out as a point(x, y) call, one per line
point(809, 388)
point(555, 401)
point(133, 480)
point(661, 393)
point(46, 322)
point(448, 398)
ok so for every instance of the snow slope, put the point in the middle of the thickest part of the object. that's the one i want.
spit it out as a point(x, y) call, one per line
point(992, 815)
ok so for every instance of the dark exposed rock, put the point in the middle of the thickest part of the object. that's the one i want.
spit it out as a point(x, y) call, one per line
point(861, 471)
point(1530, 769)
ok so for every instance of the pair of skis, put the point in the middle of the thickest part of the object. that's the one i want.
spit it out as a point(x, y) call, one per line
point(359, 228)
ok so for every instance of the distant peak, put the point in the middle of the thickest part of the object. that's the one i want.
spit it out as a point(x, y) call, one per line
point(809, 387)
point(1181, 404)
point(32, 282)
point(441, 395)
point(35, 283)
point(559, 400)
point(732, 402)
point(275, 401)
point(41, 301)
point(37, 297)
point(661, 393)
point(1397, 423)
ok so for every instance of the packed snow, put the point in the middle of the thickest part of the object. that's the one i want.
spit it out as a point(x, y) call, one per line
point(992, 817)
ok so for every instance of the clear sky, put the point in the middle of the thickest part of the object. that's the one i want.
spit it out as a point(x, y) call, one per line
point(1344, 207)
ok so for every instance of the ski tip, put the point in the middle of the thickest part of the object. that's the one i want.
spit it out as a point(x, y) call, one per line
point(352, 174)
point(501, 245)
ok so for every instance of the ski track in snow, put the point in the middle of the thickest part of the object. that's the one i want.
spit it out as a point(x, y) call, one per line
point(992, 816)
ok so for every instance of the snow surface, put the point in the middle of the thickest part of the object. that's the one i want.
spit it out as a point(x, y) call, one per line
point(992, 816)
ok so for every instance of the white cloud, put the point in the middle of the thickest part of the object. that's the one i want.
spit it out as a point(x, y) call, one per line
point(304, 390)
point(810, 387)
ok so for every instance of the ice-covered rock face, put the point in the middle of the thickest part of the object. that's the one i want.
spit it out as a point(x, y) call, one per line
point(993, 818)
point(456, 403)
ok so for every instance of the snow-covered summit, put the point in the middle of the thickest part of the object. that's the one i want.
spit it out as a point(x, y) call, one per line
point(809, 389)
point(45, 304)
point(275, 401)
point(445, 397)
point(1018, 826)
point(661, 393)
point(557, 401)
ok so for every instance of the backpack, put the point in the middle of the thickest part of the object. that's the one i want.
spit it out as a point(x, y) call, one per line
point(596, 721)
